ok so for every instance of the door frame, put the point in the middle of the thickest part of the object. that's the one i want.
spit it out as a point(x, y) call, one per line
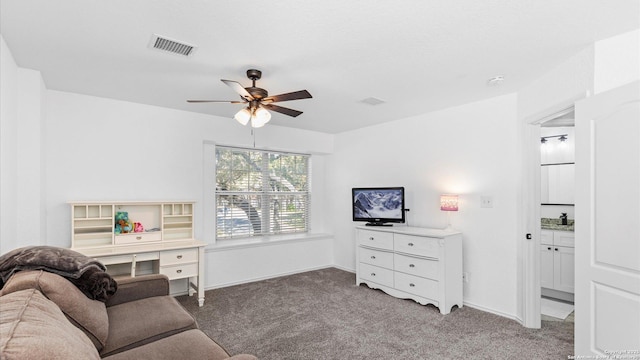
point(529, 249)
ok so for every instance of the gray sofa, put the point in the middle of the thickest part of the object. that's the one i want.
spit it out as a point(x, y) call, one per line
point(44, 316)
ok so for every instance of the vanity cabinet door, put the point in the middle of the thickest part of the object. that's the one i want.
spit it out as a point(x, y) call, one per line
point(546, 237)
point(564, 274)
point(546, 266)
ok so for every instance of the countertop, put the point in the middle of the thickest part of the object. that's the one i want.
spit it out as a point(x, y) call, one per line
point(556, 224)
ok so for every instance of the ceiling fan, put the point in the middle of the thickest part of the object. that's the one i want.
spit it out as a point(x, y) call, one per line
point(258, 101)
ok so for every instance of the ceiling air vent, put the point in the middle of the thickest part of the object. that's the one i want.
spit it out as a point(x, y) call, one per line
point(173, 46)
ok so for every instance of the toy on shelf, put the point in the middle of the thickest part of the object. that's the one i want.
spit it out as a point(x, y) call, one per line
point(137, 227)
point(123, 225)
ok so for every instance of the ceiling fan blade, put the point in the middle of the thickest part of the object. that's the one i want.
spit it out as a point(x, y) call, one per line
point(296, 95)
point(237, 87)
point(282, 110)
point(216, 101)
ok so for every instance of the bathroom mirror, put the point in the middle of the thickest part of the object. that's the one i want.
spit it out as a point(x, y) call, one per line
point(557, 184)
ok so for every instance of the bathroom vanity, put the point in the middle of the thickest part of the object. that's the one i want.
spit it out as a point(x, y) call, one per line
point(557, 242)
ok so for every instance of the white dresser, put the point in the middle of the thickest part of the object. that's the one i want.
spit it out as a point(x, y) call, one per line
point(166, 246)
point(411, 263)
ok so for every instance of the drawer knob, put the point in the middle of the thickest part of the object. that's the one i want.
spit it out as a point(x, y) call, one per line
point(412, 285)
point(373, 257)
point(373, 274)
point(549, 248)
point(411, 266)
point(371, 238)
point(179, 256)
point(556, 249)
point(410, 244)
point(138, 237)
point(179, 271)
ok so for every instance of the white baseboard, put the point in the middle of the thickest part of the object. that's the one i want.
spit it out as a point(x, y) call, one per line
point(271, 276)
point(492, 311)
point(343, 268)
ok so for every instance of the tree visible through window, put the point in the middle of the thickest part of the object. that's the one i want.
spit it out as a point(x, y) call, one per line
point(260, 192)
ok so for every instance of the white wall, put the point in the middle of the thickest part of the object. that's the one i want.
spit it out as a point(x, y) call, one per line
point(468, 150)
point(31, 192)
point(22, 169)
point(617, 61)
point(8, 147)
point(559, 88)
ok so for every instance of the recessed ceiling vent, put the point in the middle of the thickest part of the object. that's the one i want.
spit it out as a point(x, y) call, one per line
point(173, 46)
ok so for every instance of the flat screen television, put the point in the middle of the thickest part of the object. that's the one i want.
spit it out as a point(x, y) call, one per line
point(378, 206)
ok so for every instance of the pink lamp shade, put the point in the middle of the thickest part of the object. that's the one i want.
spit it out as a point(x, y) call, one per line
point(449, 202)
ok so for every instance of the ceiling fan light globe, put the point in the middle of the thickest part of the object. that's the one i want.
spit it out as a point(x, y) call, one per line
point(256, 124)
point(260, 118)
point(243, 116)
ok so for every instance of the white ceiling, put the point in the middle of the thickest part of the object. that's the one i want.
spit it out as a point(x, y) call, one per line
point(416, 55)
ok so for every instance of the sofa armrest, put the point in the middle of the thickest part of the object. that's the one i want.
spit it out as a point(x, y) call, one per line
point(139, 287)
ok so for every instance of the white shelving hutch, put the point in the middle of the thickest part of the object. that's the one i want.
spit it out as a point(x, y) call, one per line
point(166, 245)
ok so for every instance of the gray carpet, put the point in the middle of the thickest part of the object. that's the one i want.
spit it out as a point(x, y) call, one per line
point(323, 315)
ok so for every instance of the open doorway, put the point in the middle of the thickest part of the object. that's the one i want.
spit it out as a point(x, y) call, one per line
point(557, 214)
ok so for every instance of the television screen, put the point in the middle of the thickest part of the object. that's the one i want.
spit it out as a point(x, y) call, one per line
point(378, 206)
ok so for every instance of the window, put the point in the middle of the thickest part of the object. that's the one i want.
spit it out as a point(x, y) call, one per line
point(260, 192)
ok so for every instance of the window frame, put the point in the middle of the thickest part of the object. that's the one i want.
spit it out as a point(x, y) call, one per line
point(266, 194)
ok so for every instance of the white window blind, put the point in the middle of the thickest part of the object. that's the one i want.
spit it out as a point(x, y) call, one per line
point(260, 192)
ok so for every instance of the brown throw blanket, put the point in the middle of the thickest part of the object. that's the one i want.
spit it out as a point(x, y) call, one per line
point(87, 274)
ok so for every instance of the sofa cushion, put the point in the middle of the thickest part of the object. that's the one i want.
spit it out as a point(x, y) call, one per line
point(33, 327)
point(88, 315)
point(138, 322)
point(191, 344)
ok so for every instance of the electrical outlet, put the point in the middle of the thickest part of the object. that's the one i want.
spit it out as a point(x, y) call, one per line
point(465, 277)
point(486, 201)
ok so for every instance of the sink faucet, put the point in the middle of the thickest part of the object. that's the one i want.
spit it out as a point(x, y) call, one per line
point(563, 218)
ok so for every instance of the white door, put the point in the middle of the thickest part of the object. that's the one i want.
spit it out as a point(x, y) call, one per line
point(607, 237)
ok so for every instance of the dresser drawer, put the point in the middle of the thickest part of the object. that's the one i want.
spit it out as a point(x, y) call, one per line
point(115, 259)
point(180, 256)
point(128, 258)
point(180, 271)
point(376, 257)
point(147, 256)
point(377, 239)
point(423, 287)
point(135, 238)
point(416, 245)
point(416, 266)
point(376, 274)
